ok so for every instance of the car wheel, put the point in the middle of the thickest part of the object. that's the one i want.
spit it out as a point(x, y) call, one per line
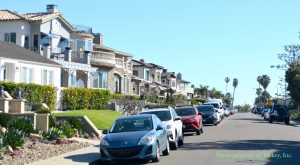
point(270, 120)
point(287, 122)
point(174, 144)
point(157, 156)
point(201, 130)
point(167, 150)
point(181, 141)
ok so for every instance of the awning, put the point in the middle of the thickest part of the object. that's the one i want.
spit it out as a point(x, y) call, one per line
point(47, 35)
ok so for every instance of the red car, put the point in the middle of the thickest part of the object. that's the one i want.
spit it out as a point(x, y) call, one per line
point(191, 119)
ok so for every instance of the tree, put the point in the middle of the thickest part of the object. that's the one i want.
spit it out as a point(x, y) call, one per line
point(292, 77)
point(265, 81)
point(202, 91)
point(214, 93)
point(227, 79)
point(292, 53)
point(235, 83)
point(227, 99)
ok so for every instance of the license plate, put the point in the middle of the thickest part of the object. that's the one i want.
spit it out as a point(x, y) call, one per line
point(204, 120)
point(183, 126)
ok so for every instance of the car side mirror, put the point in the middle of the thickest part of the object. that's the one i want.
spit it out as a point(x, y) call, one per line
point(159, 127)
point(200, 113)
point(105, 132)
point(177, 118)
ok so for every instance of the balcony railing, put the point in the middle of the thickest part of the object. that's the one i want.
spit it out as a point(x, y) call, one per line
point(103, 59)
point(78, 57)
point(119, 63)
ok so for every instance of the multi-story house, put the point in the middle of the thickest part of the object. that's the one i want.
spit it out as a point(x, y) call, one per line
point(147, 78)
point(168, 79)
point(114, 68)
point(49, 34)
point(183, 87)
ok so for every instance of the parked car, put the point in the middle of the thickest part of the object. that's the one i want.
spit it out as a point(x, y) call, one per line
point(135, 137)
point(218, 107)
point(209, 114)
point(258, 110)
point(191, 119)
point(226, 112)
point(279, 113)
point(232, 111)
point(169, 117)
point(267, 114)
point(264, 110)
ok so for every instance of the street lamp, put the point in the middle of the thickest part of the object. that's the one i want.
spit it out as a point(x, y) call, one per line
point(282, 67)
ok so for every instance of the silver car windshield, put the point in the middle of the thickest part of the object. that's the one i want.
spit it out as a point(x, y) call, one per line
point(162, 115)
point(129, 125)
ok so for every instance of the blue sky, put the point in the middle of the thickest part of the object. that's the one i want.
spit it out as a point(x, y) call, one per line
point(204, 40)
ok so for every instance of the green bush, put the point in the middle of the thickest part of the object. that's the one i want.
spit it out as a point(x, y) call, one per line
point(54, 133)
point(14, 137)
point(4, 119)
point(76, 123)
point(67, 130)
point(83, 98)
point(23, 124)
point(33, 93)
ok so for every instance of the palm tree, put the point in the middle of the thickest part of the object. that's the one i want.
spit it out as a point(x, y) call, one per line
point(235, 83)
point(227, 79)
point(203, 91)
point(265, 81)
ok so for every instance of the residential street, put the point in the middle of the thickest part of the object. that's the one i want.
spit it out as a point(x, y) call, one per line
point(243, 138)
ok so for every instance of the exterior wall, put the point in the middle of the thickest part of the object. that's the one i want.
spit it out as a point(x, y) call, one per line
point(14, 74)
point(21, 28)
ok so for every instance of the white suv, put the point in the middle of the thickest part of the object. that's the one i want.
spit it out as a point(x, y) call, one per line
point(169, 117)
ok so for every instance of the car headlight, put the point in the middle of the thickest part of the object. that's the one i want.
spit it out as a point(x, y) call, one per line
point(147, 139)
point(104, 143)
point(193, 119)
point(169, 126)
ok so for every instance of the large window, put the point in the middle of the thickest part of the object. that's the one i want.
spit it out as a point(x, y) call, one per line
point(117, 84)
point(74, 79)
point(147, 75)
point(35, 42)
point(100, 78)
point(10, 37)
point(26, 75)
point(26, 42)
point(47, 77)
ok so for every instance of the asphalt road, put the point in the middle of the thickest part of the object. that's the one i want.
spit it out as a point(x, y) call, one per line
point(243, 138)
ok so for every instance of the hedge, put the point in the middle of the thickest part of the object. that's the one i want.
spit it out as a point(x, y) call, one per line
point(84, 98)
point(33, 93)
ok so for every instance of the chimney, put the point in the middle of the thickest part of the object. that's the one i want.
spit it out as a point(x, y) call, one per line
point(142, 60)
point(179, 76)
point(165, 70)
point(98, 38)
point(52, 8)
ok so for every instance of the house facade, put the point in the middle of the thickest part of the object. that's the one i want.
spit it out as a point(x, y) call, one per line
point(183, 87)
point(20, 65)
point(114, 68)
point(49, 34)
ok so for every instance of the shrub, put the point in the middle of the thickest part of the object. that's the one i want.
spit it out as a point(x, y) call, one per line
point(23, 124)
point(52, 121)
point(4, 119)
point(83, 98)
point(54, 133)
point(67, 130)
point(1, 146)
point(76, 123)
point(33, 93)
point(14, 137)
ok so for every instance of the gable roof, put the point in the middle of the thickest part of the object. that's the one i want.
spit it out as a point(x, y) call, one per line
point(168, 74)
point(140, 63)
point(13, 51)
point(7, 15)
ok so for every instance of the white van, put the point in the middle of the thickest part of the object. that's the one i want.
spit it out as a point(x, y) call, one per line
point(220, 107)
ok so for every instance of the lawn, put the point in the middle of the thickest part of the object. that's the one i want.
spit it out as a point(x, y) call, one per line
point(102, 119)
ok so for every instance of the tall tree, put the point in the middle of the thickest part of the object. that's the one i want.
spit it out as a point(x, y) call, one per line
point(227, 79)
point(265, 81)
point(292, 77)
point(235, 83)
point(228, 99)
point(203, 91)
point(214, 93)
point(292, 53)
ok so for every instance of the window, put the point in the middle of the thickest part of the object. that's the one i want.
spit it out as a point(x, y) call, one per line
point(26, 75)
point(26, 42)
point(173, 83)
point(135, 72)
point(74, 79)
point(100, 79)
point(147, 75)
point(47, 77)
point(35, 42)
point(117, 84)
point(158, 77)
point(10, 37)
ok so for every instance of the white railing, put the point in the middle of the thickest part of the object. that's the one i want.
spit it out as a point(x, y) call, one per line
point(103, 57)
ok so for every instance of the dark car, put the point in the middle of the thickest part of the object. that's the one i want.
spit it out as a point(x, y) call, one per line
point(191, 119)
point(209, 114)
point(279, 113)
point(135, 137)
point(258, 110)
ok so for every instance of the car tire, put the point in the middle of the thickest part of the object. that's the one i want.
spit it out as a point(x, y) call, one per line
point(174, 144)
point(201, 130)
point(181, 141)
point(157, 156)
point(167, 150)
point(270, 120)
point(287, 122)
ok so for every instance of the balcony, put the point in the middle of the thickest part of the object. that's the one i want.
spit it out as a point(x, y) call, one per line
point(100, 58)
point(186, 89)
point(119, 63)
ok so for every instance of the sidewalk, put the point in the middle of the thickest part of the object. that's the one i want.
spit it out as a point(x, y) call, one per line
point(78, 157)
